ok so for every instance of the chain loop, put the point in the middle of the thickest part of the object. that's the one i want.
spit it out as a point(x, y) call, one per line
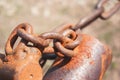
point(32, 38)
point(76, 41)
point(64, 51)
point(13, 37)
point(89, 19)
point(109, 13)
point(55, 35)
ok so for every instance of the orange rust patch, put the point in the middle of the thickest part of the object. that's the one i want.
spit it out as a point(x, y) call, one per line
point(91, 62)
point(106, 60)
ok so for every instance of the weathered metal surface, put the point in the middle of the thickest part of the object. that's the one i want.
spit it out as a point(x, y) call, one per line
point(22, 61)
point(13, 37)
point(79, 56)
point(90, 63)
point(24, 64)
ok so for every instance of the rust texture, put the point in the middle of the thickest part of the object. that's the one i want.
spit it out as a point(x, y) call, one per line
point(21, 62)
point(77, 56)
point(90, 63)
point(24, 64)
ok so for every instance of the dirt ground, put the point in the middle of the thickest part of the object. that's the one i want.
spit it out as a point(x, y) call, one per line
point(45, 15)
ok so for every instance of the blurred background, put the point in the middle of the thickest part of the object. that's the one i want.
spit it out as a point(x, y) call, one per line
point(45, 15)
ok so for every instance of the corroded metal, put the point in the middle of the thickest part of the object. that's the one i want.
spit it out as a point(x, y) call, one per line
point(90, 63)
point(99, 12)
point(77, 56)
point(32, 38)
point(23, 64)
point(113, 10)
point(88, 19)
point(13, 37)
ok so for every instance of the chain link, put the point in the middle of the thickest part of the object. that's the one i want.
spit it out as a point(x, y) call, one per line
point(13, 37)
point(107, 14)
point(99, 12)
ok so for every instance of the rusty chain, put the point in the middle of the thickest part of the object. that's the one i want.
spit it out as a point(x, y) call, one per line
point(65, 38)
point(99, 12)
point(62, 44)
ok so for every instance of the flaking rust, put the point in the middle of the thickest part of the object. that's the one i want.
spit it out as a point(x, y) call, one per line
point(21, 62)
point(22, 65)
point(90, 63)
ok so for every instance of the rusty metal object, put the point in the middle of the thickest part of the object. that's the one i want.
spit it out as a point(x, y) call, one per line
point(66, 31)
point(99, 12)
point(13, 37)
point(65, 52)
point(70, 34)
point(58, 36)
point(77, 56)
point(23, 63)
point(32, 38)
point(90, 63)
point(75, 42)
point(67, 49)
point(113, 10)
point(48, 53)
point(89, 19)
point(66, 37)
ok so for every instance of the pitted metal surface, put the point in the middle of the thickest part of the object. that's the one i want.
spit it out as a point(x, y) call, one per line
point(24, 64)
point(86, 65)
